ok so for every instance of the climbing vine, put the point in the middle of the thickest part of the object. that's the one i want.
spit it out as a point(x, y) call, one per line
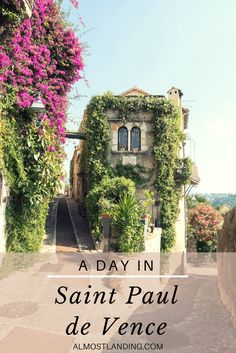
point(172, 172)
point(137, 173)
point(96, 146)
point(39, 56)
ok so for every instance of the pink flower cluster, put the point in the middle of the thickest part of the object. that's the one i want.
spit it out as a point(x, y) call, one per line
point(75, 3)
point(5, 63)
point(205, 221)
point(42, 56)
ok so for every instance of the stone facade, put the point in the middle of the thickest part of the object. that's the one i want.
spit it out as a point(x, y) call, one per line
point(141, 155)
point(76, 191)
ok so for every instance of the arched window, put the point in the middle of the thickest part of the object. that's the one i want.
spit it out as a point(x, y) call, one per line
point(135, 138)
point(123, 138)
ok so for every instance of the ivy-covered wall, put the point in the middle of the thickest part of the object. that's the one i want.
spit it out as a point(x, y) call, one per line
point(39, 55)
point(170, 171)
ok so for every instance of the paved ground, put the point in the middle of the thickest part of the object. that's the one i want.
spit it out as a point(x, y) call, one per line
point(81, 226)
point(72, 228)
point(49, 243)
point(198, 323)
point(65, 235)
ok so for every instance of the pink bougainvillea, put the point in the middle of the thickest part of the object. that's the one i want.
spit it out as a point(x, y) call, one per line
point(43, 57)
point(75, 3)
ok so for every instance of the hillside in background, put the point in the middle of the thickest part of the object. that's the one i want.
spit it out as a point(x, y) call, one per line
point(221, 199)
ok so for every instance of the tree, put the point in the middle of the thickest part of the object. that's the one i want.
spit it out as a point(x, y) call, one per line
point(223, 209)
point(193, 200)
point(204, 222)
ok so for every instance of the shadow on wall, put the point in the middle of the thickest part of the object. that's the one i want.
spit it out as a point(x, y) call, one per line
point(226, 259)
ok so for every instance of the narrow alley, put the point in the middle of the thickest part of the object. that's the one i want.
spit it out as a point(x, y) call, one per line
point(65, 234)
point(72, 229)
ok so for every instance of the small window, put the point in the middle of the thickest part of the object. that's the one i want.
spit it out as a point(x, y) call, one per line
point(123, 138)
point(135, 138)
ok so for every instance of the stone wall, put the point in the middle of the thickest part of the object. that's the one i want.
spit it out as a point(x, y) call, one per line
point(153, 241)
point(143, 157)
point(226, 260)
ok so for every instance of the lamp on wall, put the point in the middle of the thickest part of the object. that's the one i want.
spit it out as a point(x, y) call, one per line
point(37, 106)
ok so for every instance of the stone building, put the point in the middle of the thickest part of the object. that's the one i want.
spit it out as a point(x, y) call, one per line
point(77, 174)
point(131, 143)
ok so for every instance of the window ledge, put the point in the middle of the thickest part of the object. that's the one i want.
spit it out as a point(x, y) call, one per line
point(129, 152)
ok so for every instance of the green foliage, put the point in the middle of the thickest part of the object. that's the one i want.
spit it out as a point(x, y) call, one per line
point(39, 56)
point(14, 16)
point(103, 196)
point(218, 199)
point(126, 218)
point(133, 172)
point(32, 173)
point(223, 209)
point(25, 226)
point(149, 199)
point(168, 138)
point(172, 172)
point(97, 142)
point(147, 203)
point(183, 171)
point(194, 200)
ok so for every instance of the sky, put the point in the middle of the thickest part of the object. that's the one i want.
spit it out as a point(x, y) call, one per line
point(156, 44)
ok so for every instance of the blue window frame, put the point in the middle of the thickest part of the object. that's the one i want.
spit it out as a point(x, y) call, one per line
point(135, 138)
point(123, 138)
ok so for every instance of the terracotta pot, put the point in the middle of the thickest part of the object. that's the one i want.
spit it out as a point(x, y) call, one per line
point(105, 215)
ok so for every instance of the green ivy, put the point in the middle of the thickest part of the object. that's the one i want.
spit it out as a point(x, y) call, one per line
point(32, 173)
point(137, 173)
point(12, 15)
point(97, 142)
point(25, 225)
point(102, 197)
point(183, 171)
point(171, 172)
